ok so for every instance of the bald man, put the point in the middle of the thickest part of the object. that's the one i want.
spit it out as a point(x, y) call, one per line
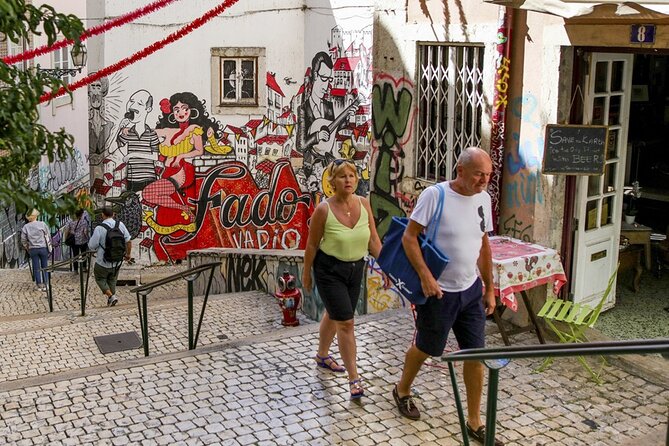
point(141, 141)
point(456, 298)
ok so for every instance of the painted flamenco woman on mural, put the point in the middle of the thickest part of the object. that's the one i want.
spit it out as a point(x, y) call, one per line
point(185, 131)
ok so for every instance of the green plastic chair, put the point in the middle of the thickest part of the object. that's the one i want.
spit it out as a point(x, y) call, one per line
point(577, 318)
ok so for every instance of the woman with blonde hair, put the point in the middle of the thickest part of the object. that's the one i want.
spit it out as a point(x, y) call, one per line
point(35, 238)
point(341, 233)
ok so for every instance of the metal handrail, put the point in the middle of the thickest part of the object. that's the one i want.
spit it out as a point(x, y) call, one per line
point(83, 291)
point(498, 358)
point(559, 350)
point(189, 275)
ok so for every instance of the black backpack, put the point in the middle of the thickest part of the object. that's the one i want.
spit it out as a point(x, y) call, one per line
point(114, 243)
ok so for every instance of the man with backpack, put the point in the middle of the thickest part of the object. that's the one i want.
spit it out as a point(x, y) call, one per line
point(111, 239)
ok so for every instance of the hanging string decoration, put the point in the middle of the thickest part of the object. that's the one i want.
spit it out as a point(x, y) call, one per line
point(106, 71)
point(99, 29)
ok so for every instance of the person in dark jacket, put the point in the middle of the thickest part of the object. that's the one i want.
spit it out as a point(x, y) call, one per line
point(80, 226)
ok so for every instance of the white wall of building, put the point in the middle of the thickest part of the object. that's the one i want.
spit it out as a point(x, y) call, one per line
point(68, 113)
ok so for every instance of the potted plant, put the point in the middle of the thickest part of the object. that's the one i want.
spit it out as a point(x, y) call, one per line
point(631, 211)
point(630, 215)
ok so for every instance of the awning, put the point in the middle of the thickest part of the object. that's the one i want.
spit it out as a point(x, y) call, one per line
point(575, 8)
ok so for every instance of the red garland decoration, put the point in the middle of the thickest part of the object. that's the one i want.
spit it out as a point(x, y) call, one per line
point(106, 71)
point(99, 29)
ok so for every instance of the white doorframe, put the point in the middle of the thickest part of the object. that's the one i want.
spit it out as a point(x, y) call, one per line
point(599, 199)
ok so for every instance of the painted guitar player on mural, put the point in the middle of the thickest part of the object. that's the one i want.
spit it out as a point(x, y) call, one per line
point(318, 126)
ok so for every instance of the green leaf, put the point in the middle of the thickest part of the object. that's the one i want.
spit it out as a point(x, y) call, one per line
point(23, 140)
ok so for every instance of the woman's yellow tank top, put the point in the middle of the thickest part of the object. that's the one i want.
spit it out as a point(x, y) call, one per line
point(183, 146)
point(340, 241)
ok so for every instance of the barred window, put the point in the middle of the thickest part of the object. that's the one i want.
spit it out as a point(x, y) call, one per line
point(450, 106)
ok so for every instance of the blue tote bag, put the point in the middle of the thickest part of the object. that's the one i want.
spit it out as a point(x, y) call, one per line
point(394, 262)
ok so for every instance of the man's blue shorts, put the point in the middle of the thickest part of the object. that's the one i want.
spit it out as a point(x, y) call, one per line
point(462, 311)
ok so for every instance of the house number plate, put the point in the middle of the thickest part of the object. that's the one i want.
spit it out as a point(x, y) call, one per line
point(642, 34)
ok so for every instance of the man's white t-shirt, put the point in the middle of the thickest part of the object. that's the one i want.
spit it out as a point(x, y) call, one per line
point(464, 221)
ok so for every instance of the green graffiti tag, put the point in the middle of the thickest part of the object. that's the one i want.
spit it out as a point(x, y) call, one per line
point(391, 112)
point(390, 115)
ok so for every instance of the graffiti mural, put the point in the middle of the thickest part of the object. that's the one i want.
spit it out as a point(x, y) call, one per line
point(63, 175)
point(393, 113)
point(516, 229)
point(502, 60)
point(183, 179)
point(380, 298)
point(11, 254)
point(522, 189)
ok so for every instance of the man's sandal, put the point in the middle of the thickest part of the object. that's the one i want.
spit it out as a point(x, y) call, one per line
point(328, 362)
point(356, 388)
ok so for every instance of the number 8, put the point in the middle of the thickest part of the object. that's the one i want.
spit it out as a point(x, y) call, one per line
point(641, 34)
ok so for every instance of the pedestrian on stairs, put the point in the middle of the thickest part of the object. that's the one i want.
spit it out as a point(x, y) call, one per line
point(106, 269)
point(36, 239)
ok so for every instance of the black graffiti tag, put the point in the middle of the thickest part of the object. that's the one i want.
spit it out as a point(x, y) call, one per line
point(246, 274)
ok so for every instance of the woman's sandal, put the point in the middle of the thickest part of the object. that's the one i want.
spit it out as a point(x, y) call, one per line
point(356, 388)
point(328, 362)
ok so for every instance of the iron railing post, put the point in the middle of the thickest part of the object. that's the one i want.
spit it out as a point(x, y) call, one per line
point(491, 409)
point(87, 262)
point(191, 345)
point(47, 276)
point(204, 304)
point(189, 275)
point(458, 404)
point(145, 325)
point(141, 323)
point(81, 287)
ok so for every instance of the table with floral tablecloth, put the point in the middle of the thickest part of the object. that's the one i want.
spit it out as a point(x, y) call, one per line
point(519, 266)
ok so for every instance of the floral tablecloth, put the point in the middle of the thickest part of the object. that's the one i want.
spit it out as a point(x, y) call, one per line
point(519, 266)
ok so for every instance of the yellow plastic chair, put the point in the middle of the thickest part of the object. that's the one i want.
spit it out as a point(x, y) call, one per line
point(577, 318)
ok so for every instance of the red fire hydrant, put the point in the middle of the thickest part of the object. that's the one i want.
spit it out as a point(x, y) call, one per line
point(289, 299)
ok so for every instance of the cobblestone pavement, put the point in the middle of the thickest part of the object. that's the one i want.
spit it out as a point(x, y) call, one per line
point(18, 295)
point(260, 386)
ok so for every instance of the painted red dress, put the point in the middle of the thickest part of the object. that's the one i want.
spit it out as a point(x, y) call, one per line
point(176, 218)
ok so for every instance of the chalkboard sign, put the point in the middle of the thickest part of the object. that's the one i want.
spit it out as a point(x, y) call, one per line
point(575, 149)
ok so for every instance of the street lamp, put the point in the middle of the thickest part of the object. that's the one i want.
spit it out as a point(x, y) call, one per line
point(79, 56)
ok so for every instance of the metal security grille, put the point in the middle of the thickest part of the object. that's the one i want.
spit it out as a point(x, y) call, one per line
point(450, 106)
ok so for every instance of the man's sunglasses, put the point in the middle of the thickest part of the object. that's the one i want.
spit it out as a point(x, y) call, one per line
point(325, 78)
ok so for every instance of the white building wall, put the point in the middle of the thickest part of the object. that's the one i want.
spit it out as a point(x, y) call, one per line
point(65, 112)
point(185, 64)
